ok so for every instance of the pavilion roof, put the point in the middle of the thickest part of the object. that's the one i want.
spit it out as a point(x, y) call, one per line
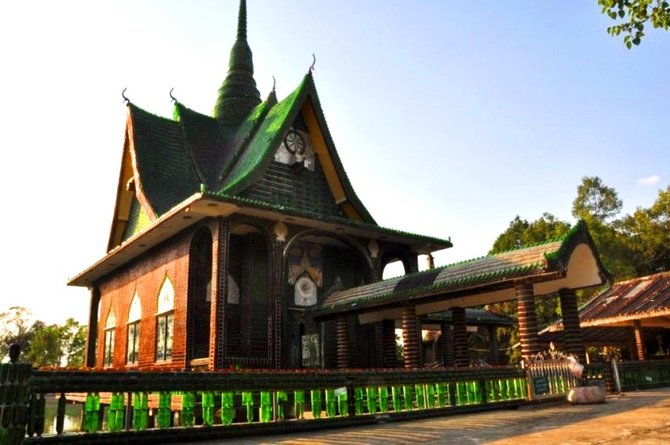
point(548, 265)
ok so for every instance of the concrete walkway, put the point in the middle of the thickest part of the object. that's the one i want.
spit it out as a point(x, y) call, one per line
point(634, 418)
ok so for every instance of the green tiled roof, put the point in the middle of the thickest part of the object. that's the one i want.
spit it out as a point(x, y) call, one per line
point(164, 169)
point(527, 262)
point(175, 157)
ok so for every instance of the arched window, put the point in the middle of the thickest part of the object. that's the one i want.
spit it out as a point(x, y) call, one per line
point(110, 327)
point(165, 321)
point(133, 338)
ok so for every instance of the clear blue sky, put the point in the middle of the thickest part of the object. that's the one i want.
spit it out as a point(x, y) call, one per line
point(451, 118)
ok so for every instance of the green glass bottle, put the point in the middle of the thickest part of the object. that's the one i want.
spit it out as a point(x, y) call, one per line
point(358, 401)
point(188, 409)
point(299, 401)
point(265, 410)
point(248, 402)
point(140, 410)
point(331, 403)
point(420, 396)
point(316, 404)
point(407, 396)
point(342, 402)
point(164, 415)
point(441, 390)
point(383, 399)
point(282, 400)
point(430, 395)
point(396, 395)
point(207, 403)
point(371, 396)
point(227, 407)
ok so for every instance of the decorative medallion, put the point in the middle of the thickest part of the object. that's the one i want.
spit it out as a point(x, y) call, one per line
point(295, 143)
point(305, 291)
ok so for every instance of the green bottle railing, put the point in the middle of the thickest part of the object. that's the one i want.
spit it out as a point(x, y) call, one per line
point(119, 404)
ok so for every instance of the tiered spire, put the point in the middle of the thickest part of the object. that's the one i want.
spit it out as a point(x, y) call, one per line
point(238, 94)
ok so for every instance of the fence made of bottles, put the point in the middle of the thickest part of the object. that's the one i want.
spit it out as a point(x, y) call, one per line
point(550, 379)
point(127, 402)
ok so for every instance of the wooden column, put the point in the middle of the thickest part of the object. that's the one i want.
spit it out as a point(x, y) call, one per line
point(494, 357)
point(410, 337)
point(527, 320)
point(574, 340)
point(447, 346)
point(390, 358)
point(342, 332)
point(92, 336)
point(461, 355)
point(639, 340)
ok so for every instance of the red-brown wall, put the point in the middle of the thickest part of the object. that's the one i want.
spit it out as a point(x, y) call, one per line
point(145, 276)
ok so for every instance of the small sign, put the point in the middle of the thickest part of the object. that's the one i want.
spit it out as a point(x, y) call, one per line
point(540, 385)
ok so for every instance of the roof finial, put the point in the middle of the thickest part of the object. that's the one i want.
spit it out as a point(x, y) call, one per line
point(125, 99)
point(274, 83)
point(242, 21)
point(174, 99)
point(311, 68)
point(238, 94)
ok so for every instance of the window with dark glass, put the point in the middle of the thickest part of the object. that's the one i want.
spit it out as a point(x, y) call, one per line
point(164, 331)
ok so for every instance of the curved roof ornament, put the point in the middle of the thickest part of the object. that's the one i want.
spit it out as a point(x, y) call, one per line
point(125, 99)
point(274, 83)
point(311, 68)
point(174, 99)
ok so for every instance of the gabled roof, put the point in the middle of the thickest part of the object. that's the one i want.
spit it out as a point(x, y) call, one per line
point(641, 299)
point(568, 262)
point(172, 160)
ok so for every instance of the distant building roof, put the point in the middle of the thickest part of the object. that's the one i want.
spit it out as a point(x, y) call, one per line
point(646, 299)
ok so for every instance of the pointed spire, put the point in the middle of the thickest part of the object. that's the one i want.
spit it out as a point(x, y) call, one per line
point(238, 94)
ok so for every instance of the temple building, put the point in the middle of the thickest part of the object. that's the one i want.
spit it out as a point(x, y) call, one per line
point(238, 240)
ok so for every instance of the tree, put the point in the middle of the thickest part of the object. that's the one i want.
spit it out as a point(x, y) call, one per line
point(46, 348)
point(522, 233)
point(595, 201)
point(634, 15)
point(41, 344)
point(15, 328)
point(647, 235)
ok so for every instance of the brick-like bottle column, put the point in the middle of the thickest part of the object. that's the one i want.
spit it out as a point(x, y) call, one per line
point(527, 320)
point(447, 346)
point(410, 337)
point(389, 344)
point(92, 335)
point(494, 355)
point(574, 340)
point(461, 355)
point(342, 332)
point(639, 340)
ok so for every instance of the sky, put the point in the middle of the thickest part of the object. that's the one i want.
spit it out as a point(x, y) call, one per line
point(450, 117)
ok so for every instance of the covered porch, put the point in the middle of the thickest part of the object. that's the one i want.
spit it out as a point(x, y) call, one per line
point(561, 266)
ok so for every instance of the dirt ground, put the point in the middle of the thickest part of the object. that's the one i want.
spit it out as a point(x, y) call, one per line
point(641, 417)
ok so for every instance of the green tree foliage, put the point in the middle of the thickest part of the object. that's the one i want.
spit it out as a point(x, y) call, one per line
point(598, 205)
point(646, 234)
point(522, 233)
point(15, 327)
point(633, 15)
point(41, 344)
point(595, 201)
